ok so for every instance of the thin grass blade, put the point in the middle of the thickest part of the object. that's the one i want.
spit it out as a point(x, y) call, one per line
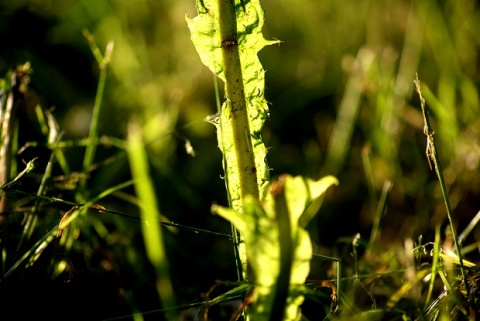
point(151, 228)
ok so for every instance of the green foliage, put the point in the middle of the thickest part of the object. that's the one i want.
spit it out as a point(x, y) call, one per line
point(103, 62)
point(342, 103)
point(228, 40)
point(228, 36)
point(211, 45)
point(276, 243)
point(151, 227)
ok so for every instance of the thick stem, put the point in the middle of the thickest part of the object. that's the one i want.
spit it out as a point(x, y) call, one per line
point(282, 286)
point(236, 106)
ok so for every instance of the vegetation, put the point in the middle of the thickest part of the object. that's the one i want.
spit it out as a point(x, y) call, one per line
point(107, 136)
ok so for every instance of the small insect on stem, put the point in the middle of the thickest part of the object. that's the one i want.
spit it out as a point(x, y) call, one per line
point(430, 150)
point(229, 43)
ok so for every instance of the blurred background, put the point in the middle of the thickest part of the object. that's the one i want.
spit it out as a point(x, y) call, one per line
point(342, 102)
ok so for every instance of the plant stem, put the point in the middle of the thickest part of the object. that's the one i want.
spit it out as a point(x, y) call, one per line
point(235, 112)
point(431, 153)
point(7, 126)
point(236, 103)
point(151, 227)
point(17, 85)
point(93, 134)
point(282, 286)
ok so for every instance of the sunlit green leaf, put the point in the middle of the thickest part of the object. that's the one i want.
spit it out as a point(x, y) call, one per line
point(205, 34)
point(259, 226)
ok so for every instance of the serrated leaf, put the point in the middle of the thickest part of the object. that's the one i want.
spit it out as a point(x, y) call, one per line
point(206, 36)
point(259, 227)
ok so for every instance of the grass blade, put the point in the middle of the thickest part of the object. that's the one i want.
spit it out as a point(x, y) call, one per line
point(435, 264)
point(152, 232)
point(347, 114)
point(93, 134)
point(433, 156)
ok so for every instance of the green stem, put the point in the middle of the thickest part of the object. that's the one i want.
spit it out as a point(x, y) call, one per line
point(236, 113)
point(33, 215)
point(286, 251)
point(235, 234)
point(236, 102)
point(93, 134)
point(432, 155)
